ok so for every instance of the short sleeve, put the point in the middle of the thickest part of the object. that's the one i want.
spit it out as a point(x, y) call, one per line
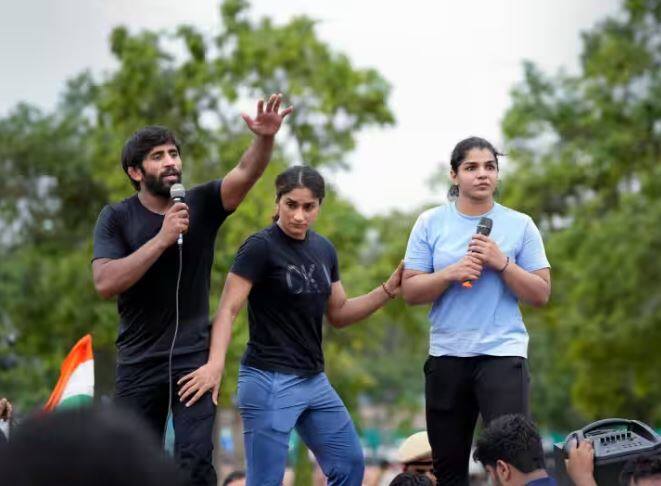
point(250, 261)
point(419, 254)
point(108, 240)
point(211, 202)
point(335, 266)
point(532, 255)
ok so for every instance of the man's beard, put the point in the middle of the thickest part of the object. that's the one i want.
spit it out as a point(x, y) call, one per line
point(157, 186)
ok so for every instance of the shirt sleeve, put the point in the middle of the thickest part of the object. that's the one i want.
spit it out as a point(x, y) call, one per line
point(108, 239)
point(419, 254)
point(532, 255)
point(250, 261)
point(212, 203)
point(335, 266)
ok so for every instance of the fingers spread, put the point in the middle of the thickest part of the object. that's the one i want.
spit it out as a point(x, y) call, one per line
point(276, 103)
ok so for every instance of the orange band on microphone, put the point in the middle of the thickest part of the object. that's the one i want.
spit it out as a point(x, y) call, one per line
point(467, 284)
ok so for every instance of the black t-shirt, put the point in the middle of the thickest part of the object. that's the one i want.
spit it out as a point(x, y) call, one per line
point(147, 309)
point(291, 286)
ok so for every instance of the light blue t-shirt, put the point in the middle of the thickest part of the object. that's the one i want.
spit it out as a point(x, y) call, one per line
point(484, 319)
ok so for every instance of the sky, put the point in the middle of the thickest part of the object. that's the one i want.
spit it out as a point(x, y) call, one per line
point(451, 65)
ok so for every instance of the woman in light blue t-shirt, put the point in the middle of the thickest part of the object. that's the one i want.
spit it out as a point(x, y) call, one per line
point(477, 360)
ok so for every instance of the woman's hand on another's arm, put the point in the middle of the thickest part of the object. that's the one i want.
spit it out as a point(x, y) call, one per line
point(342, 311)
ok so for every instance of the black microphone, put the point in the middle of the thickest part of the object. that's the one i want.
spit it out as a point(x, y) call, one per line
point(178, 194)
point(483, 228)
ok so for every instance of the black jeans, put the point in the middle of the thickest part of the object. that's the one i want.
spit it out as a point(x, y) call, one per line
point(456, 390)
point(143, 388)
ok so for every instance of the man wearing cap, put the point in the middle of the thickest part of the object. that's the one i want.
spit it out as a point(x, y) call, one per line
point(415, 455)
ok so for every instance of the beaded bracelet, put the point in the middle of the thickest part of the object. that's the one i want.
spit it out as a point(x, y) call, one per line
point(505, 266)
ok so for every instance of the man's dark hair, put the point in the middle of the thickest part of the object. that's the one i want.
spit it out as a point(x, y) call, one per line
point(513, 439)
point(140, 144)
point(641, 467)
point(77, 447)
point(233, 476)
point(410, 479)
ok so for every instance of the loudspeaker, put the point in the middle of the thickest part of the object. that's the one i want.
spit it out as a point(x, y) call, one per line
point(615, 441)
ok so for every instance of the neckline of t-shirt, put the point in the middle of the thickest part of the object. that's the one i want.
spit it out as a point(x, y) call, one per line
point(288, 238)
point(471, 217)
point(146, 209)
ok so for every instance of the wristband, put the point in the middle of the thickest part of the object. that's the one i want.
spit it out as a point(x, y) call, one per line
point(505, 266)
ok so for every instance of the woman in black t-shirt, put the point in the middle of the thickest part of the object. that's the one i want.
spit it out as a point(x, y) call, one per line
point(289, 275)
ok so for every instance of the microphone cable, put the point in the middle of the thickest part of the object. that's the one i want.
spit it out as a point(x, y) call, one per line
point(174, 338)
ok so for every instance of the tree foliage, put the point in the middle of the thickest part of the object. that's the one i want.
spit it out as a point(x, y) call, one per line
point(62, 167)
point(586, 153)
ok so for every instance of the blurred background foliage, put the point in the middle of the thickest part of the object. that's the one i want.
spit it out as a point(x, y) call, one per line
point(583, 159)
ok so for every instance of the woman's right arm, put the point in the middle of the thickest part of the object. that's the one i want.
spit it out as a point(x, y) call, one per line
point(208, 377)
point(423, 288)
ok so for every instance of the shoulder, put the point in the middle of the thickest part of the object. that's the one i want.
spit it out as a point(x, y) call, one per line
point(118, 210)
point(321, 241)
point(432, 217)
point(212, 186)
point(261, 238)
point(512, 215)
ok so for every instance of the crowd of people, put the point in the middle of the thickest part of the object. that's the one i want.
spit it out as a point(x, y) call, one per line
point(473, 259)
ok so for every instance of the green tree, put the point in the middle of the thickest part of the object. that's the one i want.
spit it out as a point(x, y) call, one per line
point(62, 167)
point(585, 162)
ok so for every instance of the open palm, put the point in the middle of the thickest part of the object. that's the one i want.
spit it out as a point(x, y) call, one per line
point(268, 120)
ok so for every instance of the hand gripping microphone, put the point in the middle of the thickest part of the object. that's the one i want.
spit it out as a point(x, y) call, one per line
point(483, 228)
point(178, 194)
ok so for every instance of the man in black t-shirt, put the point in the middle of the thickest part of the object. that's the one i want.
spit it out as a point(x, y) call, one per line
point(137, 258)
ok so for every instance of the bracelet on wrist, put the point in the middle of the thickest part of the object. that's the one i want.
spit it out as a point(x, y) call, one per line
point(504, 266)
point(388, 292)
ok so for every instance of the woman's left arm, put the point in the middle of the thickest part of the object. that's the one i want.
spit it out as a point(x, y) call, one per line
point(342, 311)
point(533, 288)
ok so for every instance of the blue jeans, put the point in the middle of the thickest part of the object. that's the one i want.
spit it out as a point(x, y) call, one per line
point(272, 404)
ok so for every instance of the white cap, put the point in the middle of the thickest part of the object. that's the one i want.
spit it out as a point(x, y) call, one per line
point(414, 448)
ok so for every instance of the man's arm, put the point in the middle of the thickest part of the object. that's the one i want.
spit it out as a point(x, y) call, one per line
point(241, 178)
point(114, 276)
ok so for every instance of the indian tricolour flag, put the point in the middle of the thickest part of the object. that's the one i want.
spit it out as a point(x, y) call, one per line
point(76, 384)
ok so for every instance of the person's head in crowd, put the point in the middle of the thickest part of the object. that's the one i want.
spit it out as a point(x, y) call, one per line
point(104, 447)
point(235, 478)
point(642, 471)
point(510, 449)
point(411, 479)
point(415, 455)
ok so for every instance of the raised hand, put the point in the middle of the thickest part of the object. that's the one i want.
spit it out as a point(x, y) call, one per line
point(268, 120)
